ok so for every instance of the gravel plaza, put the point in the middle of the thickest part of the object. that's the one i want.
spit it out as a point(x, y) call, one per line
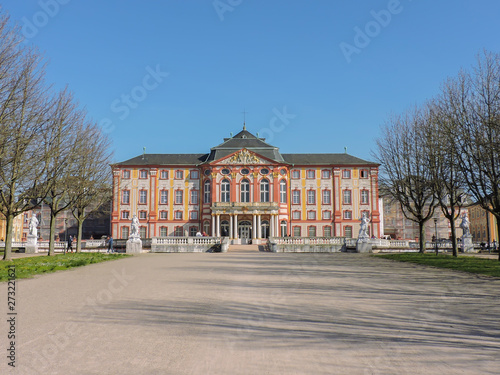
point(250, 312)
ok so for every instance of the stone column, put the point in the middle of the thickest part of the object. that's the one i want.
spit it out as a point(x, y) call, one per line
point(231, 227)
point(271, 225)
point(218, 225)
point(213, 225)
point(254, 227)
point(235, 226)
point(259, 226)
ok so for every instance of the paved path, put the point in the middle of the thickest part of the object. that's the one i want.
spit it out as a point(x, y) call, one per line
point(255, 313)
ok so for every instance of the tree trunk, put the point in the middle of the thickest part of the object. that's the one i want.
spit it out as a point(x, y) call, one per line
point(51, 234)
point(9, 223)
point(454, 238)
point(421, 230)
point(79, 236)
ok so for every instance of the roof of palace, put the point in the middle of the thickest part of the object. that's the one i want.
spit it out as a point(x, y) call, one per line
point(245, 140)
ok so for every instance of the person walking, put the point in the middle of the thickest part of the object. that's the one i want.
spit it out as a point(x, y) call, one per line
point(70, 244)
point(110, 244)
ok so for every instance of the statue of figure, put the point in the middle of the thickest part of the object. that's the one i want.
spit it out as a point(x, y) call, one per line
point(33, 231)
point(465, 225)
point(363, 230)
point(134, 228)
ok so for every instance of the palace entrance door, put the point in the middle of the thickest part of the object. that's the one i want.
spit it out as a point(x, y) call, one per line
point(245, 232)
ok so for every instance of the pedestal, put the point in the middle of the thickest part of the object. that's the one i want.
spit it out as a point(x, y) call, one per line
point(467, 244)
point(134, 246)
point(363, 246)
point(31, 246)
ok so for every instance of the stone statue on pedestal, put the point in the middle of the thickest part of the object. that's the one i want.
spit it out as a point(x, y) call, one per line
point(134, 243)
point(465, 225)
point(33, 231)
point(134, 228)
point(467, 245)
point(363, 230)
point(31, 246)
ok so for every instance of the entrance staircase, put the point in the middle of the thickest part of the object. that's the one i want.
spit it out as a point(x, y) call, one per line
point(246, 248)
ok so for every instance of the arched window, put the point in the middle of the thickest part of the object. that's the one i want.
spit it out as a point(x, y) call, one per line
point(225, 195)
point(245, 190)
point(282, 191)
point(264, 190)
point(283, 228)
point(206, 192)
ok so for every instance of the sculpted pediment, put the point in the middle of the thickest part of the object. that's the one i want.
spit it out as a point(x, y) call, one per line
point(244, 157)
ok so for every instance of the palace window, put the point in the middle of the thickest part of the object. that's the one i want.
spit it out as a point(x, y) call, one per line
point(178, 215)
point(124, 234)
point(193, 231)
point(311, 231)
point(325, 174)
point(178, 196)
point(311, 215)
point(143, 232)
point(363, 173)
point(206, 227)
point(225, 194)
point(348, 215)
point(348, 231)
point(296, 231)
point(179, 175)
point(178, 232)
point(245, 190)
point(296, 197)
point(143, 215)
point(126, 174)
point(163, 215)
point(327, 197)
point(327, 215)
point(193, 215)
point(194, 175)
point(296, 215)
point(206, 192)
point(346, 173)
point(143, 196)
point(264, 190)
point(163, 231)
point(311, 174)
point(163, 174)
point(125, 215)
point(194, 196)
point(143, 173)
point(347, 197)
point(283, 231)
point(282, 191)
point(311, 197)
point(164, 197)
point(327, 231)
point(125, 196)
point(365, 197)
point(296, 174)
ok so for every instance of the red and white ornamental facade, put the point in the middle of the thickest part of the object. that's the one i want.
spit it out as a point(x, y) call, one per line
point(247, 190)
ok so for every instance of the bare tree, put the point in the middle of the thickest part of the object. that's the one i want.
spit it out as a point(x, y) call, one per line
point(23, 121)
point(94, 176)
point(447, 179)
point(404, 166)
point(64, 122)
point(471, 103)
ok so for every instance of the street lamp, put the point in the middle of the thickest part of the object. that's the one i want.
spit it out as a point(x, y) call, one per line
point(436, 234)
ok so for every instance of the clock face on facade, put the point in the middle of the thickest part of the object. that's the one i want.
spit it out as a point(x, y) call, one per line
point(225, 171)
point(283, 172)
point(264, 171)
point(207, 172)
point(244, 171)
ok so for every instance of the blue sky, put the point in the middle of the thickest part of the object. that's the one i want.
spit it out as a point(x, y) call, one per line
point(174, 76)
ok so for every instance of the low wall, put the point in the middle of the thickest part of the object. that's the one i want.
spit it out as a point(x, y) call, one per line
point(187, 244)
point(307, 244)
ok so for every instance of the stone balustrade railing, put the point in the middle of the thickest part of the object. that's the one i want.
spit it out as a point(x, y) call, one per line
point(186, 244)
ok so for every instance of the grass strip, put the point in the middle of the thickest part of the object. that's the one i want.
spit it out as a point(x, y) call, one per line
point(471, 264)
point(27, 267)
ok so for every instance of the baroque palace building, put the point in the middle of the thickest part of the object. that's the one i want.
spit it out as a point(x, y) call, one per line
point(247, 190)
